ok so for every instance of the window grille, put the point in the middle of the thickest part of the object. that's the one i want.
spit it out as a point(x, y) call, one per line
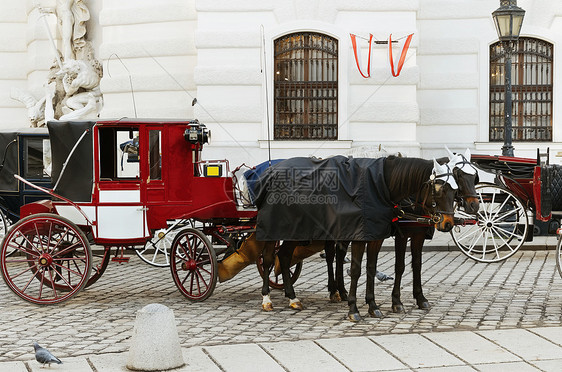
point(306, 87)
point(531, 77)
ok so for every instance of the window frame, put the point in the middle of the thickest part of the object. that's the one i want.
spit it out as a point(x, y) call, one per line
point(521, 111)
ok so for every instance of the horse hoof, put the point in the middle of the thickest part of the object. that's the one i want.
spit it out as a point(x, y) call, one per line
point(398, 309)
point(267, 307)
point(343, 296)
point(375, 313)
point(424, 305)
point(335, 297)
point(296, 305)
point(354, 317)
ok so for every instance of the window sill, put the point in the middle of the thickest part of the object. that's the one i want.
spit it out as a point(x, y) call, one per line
point(340, 144)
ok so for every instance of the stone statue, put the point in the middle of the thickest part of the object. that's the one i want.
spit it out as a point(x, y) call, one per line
point(72, 89)
point(35, 108)
point(72, 16)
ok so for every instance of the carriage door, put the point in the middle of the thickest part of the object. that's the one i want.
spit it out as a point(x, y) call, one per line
point(153, 192)
point(120, 210)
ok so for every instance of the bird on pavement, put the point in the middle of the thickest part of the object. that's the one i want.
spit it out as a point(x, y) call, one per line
point(44, 356)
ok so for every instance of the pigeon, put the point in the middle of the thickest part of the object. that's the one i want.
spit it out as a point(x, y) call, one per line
point(44, 356)
point(382, 276)
point(379, 275)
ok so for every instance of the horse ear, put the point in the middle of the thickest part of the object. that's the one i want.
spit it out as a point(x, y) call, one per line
point(450, 153)
point(436, 166)
point(467, 154)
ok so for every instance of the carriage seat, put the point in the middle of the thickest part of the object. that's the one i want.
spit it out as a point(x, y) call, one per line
point(556, 188)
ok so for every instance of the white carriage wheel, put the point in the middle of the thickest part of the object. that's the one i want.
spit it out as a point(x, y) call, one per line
point(500, 229)
point(559, 255)
point(156, 251)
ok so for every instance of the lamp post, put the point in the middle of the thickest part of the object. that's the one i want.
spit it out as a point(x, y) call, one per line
point(508, 19)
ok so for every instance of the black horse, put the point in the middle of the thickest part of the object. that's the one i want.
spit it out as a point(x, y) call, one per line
point(466, 177)
point(402, 177)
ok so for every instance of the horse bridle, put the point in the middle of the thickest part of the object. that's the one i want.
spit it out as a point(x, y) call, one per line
point(434, 216)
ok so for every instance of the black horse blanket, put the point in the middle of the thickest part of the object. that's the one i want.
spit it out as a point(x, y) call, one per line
point(338, 198)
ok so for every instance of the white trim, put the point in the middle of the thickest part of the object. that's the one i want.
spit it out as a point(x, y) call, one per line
point(122, 222)
point(343, 51)
point(70, 212)
point(119, 196)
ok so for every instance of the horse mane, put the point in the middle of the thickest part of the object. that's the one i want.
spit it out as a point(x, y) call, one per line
point(405, 177)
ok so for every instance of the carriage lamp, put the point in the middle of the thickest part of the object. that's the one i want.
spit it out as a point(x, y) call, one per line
point(508, 19)
point(197, 134)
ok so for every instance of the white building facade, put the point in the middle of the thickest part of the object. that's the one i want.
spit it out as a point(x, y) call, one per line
point(260, 68)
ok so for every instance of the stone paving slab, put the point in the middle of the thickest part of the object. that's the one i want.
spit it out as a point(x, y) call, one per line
point(525, 344)
point(243, 358)
point(471, 347)
point(415, 351)
point(303, 356)
point(360, 354)
point(13, 367)
point(513, 366)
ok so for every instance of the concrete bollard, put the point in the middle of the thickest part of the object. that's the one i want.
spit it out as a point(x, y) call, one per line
point(155, 345)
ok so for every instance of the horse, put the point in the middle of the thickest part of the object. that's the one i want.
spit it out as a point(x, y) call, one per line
point(402, 177)
point(466, 177)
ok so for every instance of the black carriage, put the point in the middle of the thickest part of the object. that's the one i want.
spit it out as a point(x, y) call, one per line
point(25, 152)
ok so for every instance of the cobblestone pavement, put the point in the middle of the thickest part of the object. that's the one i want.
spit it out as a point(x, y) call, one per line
point(522, 292)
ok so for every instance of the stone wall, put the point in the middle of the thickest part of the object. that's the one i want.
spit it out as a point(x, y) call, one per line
point(174, 50)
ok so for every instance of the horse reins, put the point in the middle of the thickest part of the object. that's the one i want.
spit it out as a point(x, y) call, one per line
point(435, 216)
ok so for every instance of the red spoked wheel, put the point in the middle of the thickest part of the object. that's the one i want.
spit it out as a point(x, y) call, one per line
point(52, 262)
point(194, 264)
point(99, 264)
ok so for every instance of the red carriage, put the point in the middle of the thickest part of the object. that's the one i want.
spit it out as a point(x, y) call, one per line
point(519, 193)
point(115, 183)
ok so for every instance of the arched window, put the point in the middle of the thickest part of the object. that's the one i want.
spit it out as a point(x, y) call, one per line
point(531, 77)
point(306, 87)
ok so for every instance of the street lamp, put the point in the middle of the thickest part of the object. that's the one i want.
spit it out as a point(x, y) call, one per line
point(508, 19)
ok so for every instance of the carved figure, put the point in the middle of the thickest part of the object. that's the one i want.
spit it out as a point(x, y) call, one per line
point(72, 16)
point(35, 108)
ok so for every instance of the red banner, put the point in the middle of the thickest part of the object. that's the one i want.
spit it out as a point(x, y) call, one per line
point(402, 56)
point(357, 51)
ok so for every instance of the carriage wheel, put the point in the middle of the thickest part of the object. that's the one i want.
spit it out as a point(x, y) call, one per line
point(194, 264)
point(500, 228)
point(50, 249)
point(559, 255)
point(276, 281)
point(99, 264)
point(156, 251)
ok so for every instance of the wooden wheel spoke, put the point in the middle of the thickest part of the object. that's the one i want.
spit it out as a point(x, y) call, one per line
point(66, 249)
point(28, 283)
point(52, 281)
point(77, 273)
point(23, 272)
point(22, 248)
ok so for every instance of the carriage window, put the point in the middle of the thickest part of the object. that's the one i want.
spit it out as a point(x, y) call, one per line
point(531, 77)
point(35, 158)
point(119, 153)
point(155, 151)
point(306, 87)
